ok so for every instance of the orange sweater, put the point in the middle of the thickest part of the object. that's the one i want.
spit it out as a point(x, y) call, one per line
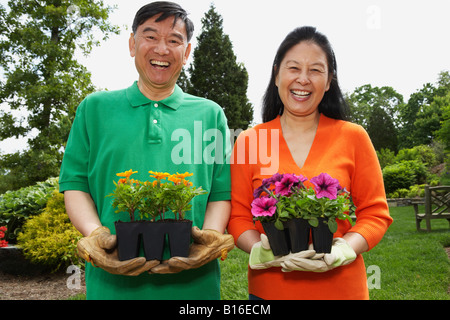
point(344, 151)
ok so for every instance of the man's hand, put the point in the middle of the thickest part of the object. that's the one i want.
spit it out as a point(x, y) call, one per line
point(100, 248)
point(208, 245)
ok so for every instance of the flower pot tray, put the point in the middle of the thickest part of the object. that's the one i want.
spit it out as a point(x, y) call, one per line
point(152, 235)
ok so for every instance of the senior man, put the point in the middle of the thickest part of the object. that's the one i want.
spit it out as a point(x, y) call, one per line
point(134, 128)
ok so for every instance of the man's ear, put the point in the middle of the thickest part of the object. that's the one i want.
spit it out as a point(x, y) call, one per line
point(187, 53)
point(132, 45)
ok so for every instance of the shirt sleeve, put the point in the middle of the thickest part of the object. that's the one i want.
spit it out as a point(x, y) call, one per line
point(221, 184)
point(74, 168)
point(368, 193)
point(241, 218)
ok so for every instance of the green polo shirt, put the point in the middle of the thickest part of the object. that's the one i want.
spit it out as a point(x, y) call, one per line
point(122, 130)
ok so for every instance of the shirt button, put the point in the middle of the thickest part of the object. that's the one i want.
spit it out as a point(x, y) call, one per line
point(155, 121)
point(156, 105)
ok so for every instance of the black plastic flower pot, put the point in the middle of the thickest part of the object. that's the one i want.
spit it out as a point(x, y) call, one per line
point(154, 238)
point(322, 237)
point(130, 235)
point(128, 239)
point(278, 239)
point(299, 231)
point(179, 236)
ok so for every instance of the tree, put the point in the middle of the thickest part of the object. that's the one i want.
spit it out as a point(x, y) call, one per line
point(216, 75)
point(422, 116)
point(381, 130)
point(378, 111)
point(43, 83)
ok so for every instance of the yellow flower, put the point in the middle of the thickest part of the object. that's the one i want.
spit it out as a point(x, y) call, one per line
point(158, 175)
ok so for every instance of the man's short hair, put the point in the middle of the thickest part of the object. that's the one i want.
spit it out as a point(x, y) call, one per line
point(168, 9)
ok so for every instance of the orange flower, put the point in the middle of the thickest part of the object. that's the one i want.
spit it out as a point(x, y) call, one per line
point(137, 182)
point(126, 174)
point(122, 181)
point(184, 175)
point(187, 183)
point(158, 175)
point(174, 178)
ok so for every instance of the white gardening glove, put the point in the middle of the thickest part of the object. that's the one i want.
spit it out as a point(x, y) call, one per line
point(341, 254)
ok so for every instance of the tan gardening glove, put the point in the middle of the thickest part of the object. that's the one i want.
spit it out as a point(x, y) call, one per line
point(100, 248)
point(261, 257)
point(301, 262)
point(341, 255)
point(208, 245)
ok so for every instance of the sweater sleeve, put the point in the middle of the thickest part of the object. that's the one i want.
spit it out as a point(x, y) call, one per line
point(241, 218)
point(367, 189)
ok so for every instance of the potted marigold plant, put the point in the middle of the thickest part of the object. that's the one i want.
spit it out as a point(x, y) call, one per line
point(288, 211)
point(149, 203)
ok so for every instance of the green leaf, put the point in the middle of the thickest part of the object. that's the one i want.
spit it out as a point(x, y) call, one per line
point(313, 221)
point(279, 225)
point(332, 225)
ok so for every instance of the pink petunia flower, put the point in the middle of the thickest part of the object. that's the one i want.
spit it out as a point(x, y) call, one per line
point(283, 187)
point(326, 186)
point(264, 206)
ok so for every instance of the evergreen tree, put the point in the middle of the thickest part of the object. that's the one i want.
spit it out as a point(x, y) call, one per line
point(215, 74)
point(43, 83)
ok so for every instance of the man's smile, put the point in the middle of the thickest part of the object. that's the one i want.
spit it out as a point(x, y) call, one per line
point(160, 64)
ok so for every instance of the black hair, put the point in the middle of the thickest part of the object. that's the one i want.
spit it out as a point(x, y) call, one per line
point(333, 104)
point(168, 9)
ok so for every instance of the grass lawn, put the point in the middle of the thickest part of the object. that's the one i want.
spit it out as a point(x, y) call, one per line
point(405, 265)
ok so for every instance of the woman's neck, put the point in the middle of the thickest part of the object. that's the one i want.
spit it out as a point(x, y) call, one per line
point(297, 125)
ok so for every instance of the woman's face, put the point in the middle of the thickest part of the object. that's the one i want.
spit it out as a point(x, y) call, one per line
point(303, 78)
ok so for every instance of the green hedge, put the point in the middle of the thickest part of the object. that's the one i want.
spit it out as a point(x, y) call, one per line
point(403, 175)
point(19, 205)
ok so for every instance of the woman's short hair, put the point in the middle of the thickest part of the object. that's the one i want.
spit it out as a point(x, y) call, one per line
point(168, 9)
point(333, 104)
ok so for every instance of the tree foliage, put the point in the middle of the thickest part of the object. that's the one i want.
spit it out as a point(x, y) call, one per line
point(43, 83)
point(215, 73)
point(396, 125)
point(378, 111)
point(423, 115)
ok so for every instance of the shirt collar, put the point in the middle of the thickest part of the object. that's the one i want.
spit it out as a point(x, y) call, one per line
point(137, 99)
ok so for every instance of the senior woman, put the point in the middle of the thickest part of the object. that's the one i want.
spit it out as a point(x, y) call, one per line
point(304, 126)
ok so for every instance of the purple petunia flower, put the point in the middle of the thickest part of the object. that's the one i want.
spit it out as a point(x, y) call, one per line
point(266, 183)
point(326, 186)
point(264, 206)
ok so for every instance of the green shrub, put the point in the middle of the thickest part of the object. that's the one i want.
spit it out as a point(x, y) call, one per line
point(17, 206)
point(386, 157)
point(401, 175)
point(424, 154)
point(50, 238)
point(416, 191)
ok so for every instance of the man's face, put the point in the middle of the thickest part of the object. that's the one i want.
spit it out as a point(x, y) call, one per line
point(160, 50)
